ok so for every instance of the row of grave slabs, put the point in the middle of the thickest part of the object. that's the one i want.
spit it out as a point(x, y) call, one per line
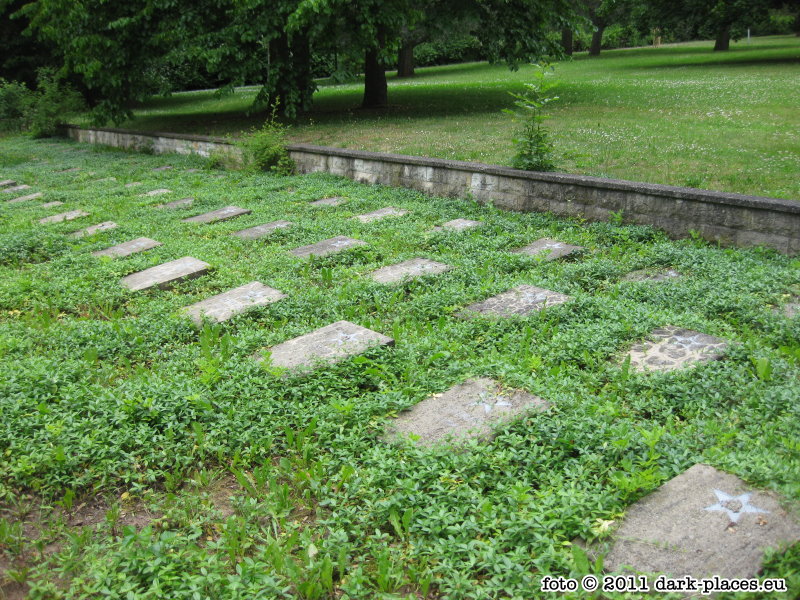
point(704, 522)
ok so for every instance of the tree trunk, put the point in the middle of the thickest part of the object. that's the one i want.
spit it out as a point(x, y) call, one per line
point(405, 60)
point(723, 38)
point(376, 92)
point(566, 41)
point(597, 40)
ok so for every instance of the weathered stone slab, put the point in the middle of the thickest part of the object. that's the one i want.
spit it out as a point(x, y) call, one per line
point(416, 267)
point(459, 225)
point(158, 192)
point(127, 248)
point(182, 203)
point(521, 300)
point(133, 184)
point(166, 274)
point(259, 231)
point(221, 214)
point(67, 216)
point(72, 170)
point(328, 202)
point(702, 523)
point(791, 309)
point(329, 344)
point(52, 204)
point(650, 275)
point(104, 226)
point(467, 410)
point(25, 198)
point(382, 213)
point(164, 168)
point(7, 183)
point(16, 188)
point(228, 304)
point(675, 348)
point(548, 249)
point(326, 247)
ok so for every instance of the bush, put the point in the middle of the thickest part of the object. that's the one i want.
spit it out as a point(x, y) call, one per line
point(39, 112)
point(265, 149)
point(534, 148)
point(15, 100)
point(449, 50)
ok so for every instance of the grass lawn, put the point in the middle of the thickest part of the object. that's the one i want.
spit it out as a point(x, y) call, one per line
point(680, 114)
point(143, 457)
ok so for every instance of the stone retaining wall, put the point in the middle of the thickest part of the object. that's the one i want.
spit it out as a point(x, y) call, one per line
point(731, 219)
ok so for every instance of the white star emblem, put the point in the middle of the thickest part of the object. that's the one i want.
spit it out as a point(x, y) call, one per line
point(734, 506)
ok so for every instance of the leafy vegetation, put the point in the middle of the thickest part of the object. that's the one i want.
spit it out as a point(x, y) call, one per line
point(534, 148)
point(143, 457)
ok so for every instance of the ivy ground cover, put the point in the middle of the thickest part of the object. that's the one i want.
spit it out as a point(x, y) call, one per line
point(144, 456)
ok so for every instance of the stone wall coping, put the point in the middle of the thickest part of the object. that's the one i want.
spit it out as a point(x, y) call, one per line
point(587, 181)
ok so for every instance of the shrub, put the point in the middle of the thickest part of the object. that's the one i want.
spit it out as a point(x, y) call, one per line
point(265, 149)
point(54, 102)
point(15, 99)
point(534, 148)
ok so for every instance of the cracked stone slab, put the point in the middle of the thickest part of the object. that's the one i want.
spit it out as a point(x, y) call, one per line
point(182, 203)
point(7, 183)
point(381, 213)
point(158, 192)
point(416, 267)
point(164, 275)
point(67, 216)
point(650, 275)
point(548, 249)
point(16, 188)
point(674, 348)
point(458, 225)
point(327, 247)
point(259, 231)
point(52, 204)
point(127, 248)
point(228, 304)
point(703, 522)
point(328, 201)
point(25, 198)
point(221, 214)
point(329, 344)
point(521, 300)
point(91, 230)
point(468, 410)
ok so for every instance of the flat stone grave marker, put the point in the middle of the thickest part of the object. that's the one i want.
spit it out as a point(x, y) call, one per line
point(329, 344)
point(221, 214)
point(416, 267)
point(458, 225)
point(133, 184)
point(521, 300)
point(675, 348)
point(157, 192)
point(259, 231)
point(91, 230)
point(52, 204)
point(650, 275)
point(192, 170)
point(791, 309)
point(164, 168)
point(67, 216)
point(382, 213)
point(164, 275)
point(326, 247)
point(16, 188)
point(328, 202)
point(25, 198)
point(105, 179)
point(548, 249)
point(228, 304)
point(702, 523)
point(467, 410)
point(182, 203)
point(7, 183)
point(127, 248)
point(72, 170)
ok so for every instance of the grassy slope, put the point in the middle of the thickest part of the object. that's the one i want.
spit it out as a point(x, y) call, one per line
point(113, 396)
point(680, 115)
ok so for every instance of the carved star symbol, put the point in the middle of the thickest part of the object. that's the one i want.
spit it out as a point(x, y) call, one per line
point(343, 338)
point(734, 506)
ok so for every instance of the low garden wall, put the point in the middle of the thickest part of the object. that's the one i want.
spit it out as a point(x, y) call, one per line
point(731, 219)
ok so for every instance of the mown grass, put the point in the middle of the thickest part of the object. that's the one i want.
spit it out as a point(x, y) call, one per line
point(113, 397)
point(680, 115)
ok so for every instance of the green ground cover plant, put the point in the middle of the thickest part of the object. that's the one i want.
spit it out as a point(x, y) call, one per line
point(679, 115)
point(144, 457)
